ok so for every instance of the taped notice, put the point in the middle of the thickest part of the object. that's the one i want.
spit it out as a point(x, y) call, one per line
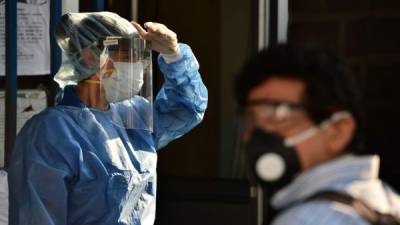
point(29, 103)
point(33, 38)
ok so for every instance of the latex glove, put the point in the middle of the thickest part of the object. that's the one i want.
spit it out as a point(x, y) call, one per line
point(163, 40)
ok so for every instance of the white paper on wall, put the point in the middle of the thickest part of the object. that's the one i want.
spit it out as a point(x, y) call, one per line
point(29, 103)
point(33, 45)
point(3, 198)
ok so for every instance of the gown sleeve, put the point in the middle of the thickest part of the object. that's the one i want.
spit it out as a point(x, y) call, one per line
point(181, 103)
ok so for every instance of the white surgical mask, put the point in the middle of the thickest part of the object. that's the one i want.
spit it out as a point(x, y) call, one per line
point(125, 82)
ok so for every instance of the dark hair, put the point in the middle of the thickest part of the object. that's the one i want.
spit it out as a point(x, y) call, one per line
point(330, 85)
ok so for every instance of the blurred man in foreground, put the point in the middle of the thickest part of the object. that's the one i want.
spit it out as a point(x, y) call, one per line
point(304, 142)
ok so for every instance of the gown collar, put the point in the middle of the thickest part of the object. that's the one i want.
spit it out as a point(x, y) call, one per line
point(68, 97)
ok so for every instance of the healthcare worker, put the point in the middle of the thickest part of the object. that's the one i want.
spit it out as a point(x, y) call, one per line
point(92, 158)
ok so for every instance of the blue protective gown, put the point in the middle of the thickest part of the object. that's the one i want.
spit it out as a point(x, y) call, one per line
point(72, 165)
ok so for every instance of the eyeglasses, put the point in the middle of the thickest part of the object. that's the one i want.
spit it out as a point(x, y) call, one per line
point(276, 112)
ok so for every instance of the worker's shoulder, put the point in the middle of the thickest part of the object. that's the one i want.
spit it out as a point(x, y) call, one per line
point(47, 114)
point(319, 212)
point(45, 138)
point(49, 117)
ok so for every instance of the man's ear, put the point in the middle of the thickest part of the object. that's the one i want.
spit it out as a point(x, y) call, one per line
point(340, 134)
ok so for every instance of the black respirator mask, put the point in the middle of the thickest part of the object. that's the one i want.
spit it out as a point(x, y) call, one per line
point(272, 164)
point(273, 161)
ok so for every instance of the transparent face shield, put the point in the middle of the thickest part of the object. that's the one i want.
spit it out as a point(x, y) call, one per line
point(126, 81)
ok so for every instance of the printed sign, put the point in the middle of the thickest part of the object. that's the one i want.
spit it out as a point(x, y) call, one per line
point(33, 45)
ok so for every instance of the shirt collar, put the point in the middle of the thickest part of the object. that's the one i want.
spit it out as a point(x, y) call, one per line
point(333, 175)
